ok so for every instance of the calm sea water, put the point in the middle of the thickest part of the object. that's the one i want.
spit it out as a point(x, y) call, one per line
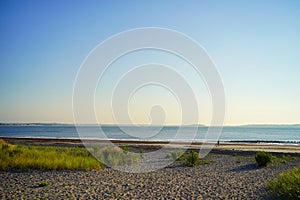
point(272, 134)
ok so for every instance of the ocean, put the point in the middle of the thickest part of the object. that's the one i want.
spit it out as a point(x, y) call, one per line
point(275, 134)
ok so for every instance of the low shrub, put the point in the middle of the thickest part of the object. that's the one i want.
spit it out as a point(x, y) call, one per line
point(190, 159)
point(263, 158)
point(287, 185)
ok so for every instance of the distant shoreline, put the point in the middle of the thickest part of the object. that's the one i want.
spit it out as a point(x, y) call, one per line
point(162, 141)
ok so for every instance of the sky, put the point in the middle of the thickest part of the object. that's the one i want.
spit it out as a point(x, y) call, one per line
point(255, 46)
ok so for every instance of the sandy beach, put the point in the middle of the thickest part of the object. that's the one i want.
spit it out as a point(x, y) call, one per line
point(232, 174)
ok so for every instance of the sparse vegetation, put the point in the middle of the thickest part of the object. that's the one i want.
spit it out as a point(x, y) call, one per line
point(190, 158)
point(263, 158)
point(283, 159)
point(287, 185)
point(125, 148)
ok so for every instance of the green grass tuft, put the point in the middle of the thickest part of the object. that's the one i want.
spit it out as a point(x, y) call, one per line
point(141, 150)
point(43, 184)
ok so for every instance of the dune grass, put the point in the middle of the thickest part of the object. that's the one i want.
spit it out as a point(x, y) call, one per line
point(46, 158)
point(63, 158)
point(114, 156)
point(287, 185)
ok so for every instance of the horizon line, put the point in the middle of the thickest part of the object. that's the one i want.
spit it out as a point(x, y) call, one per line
point(89, 124)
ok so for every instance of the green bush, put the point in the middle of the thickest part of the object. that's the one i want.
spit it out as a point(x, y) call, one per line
point(263, 158)
point(190, 159)
point(287, 185)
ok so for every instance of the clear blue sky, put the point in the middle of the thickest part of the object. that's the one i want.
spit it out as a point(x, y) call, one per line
point(255, 45)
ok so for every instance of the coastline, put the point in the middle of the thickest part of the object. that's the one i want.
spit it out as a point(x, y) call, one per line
point(223, 146)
